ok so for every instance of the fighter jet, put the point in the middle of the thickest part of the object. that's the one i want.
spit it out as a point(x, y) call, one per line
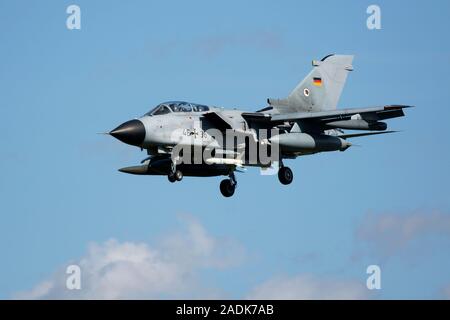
point(228, 140)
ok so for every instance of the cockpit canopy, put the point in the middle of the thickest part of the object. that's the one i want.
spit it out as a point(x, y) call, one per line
point(176, 106)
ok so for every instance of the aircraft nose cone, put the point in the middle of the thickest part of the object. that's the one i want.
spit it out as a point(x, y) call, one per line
point(131, 132)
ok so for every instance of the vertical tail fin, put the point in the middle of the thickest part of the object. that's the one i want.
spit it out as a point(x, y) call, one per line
point(321, 88)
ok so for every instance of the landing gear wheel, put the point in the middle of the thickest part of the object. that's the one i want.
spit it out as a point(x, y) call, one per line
point(227, 187)
point(178, 175)
point(285, 175)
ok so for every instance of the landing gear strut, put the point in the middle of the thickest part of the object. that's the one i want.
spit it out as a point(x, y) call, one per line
point(285, 175)
point(228, 186)
point(175, 175)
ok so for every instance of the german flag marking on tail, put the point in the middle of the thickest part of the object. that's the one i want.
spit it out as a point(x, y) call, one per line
point(317, 82)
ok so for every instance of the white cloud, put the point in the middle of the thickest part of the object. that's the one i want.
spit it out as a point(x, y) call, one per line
point(174, 269)
point(306, 286)
point(115, 270)
point(389, 232)
point(445, 292)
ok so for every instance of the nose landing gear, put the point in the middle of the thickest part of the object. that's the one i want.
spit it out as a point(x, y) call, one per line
point(175, 175)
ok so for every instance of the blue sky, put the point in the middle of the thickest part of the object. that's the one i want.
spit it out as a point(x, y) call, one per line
point(60, 189)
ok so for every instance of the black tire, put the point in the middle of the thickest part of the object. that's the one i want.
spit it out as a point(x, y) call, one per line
point(285, 175)
point(171, 178)
point(178, 175)
point(227, 188)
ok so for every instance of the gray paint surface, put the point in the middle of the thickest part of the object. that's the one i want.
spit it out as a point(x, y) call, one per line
point(307, 121)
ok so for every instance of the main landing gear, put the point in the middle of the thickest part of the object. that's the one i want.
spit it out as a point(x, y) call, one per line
point(285, 175)
point(228, 186)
